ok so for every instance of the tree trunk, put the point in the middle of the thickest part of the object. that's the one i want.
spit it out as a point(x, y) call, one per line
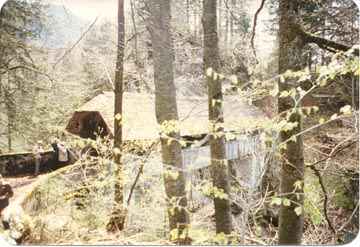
point(355, 92)
point(117, 220)
point(219, 164)
point(196, 20)
point(227, 31)
point(133, 18)
point(166, 110)
point(219, 11)
point(10, 105)
point(292, 161)
point(233, 6)
point(10, 121)
point(188, 15)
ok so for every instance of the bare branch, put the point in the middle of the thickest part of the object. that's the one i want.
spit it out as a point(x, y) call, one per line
point(333, 153)
point(140, 172)
point(351, 216)
point(252, 41)
point(321, 182)
point(30, 69)
point(323, 43)
point(77, 42)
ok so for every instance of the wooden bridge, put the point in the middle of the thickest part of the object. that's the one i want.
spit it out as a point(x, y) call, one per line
point(22, 164)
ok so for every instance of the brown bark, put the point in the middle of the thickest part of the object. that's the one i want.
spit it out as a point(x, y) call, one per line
point(219, 165)
point(166, 110)
point(292, 161)
point(117, 220)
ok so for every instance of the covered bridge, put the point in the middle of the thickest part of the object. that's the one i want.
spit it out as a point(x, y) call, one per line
point(96, 117)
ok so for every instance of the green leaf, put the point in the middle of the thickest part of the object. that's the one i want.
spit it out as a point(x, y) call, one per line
point(346, 110)
point(174, 234)
point(230, 136)
point(289, 126)
point(323, 83)
point(321, 121)
point(118, 117)
point(117, 151)
point(275, 91)
point(315, 109)
point(209, 72)
point(182, 143)
point(234, 80)
point(169, 141)
point(284, 94)
point(276, 201)
point(283, 146)
point(333, 117)
point(307, 110)
point(215, 76)
point(293, 139)
point(293, 93)
point(301, 91)
point(286, 202)
point(298, 210)
point(357, 71)
point(221, 238)
point(172, 174)
point(298, 185)
point(282, 79)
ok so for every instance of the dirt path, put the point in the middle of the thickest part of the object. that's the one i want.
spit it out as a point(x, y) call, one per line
point(20, 185)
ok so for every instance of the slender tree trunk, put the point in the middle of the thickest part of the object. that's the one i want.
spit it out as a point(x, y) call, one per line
point(133, 18)
point(227, 31)
point(234, 7)
point(166, 111)
point(196, 20)
point(10, 118)
point(10, 111)
point(219, 19)
point(9, 135)
point(219, 164)
point(292, 163)
point(355, 92)
point(188, 15)
point(117, 220)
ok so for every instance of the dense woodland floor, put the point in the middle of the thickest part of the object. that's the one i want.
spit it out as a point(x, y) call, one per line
point(342, 196)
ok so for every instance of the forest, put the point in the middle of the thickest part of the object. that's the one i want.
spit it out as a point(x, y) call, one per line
point(187, 122)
